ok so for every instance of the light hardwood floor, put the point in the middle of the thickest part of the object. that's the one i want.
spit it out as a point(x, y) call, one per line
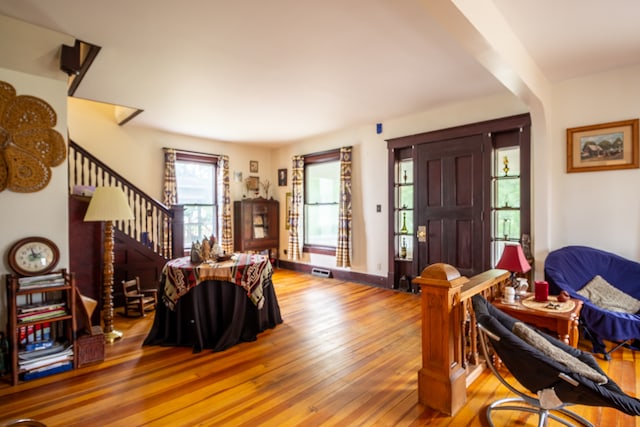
point(346, 354)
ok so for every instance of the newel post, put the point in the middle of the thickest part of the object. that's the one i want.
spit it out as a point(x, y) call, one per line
point(441, 381)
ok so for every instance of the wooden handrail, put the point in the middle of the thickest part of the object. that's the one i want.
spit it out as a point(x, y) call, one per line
point(449, 347)
point(156, 226)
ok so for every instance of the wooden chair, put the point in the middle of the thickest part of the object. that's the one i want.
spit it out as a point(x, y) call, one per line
point(136, 299)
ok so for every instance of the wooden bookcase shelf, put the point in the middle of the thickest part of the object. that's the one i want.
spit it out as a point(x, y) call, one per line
point(41, 333)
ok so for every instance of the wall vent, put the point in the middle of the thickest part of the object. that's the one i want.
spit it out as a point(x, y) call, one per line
point(320, 272)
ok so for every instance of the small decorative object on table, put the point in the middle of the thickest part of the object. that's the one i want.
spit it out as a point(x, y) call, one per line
point(205, 250)
point(542, 290)
point(509, 295)
point(196, 257)
point(564, 296)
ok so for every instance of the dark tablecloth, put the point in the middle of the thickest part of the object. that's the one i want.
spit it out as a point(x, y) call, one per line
point(214, 315)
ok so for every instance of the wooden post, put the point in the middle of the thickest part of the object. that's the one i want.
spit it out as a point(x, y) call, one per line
point(441, 381)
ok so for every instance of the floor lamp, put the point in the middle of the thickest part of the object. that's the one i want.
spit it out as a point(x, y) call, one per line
point(108, 204)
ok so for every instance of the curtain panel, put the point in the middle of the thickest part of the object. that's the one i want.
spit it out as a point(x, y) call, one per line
point(297, 178)
point(225, 237)
point(343, 249)
point(170, 188)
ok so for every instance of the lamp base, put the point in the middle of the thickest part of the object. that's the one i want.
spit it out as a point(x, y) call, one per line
point(112, 336)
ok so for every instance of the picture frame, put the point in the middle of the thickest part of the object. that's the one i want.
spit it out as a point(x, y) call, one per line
point(253, 166)
point(605, 146)
point(252, 183)
point(282, 177)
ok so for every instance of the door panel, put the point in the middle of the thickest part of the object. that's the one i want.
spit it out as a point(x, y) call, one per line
point(433, 244)
point(450, 197)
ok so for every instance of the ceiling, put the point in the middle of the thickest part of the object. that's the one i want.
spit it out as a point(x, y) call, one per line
point(281, 70)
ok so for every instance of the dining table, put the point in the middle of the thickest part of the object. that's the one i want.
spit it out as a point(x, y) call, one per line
point(215, 304)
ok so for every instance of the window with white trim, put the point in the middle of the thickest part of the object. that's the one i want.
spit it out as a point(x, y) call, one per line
point(196, 183)
point(321, 202)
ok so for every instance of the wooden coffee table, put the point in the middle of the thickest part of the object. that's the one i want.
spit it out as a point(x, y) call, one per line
point(565, 324)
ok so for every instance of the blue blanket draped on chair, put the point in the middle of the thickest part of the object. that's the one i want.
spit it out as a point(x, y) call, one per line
point(572, 267)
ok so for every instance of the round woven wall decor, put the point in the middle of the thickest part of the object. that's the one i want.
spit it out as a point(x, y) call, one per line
point(29, 146)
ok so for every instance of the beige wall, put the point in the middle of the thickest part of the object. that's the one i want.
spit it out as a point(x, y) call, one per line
point(44, 213)
point(600, 209)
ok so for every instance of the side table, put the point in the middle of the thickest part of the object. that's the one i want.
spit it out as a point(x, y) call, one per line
point(565, 324)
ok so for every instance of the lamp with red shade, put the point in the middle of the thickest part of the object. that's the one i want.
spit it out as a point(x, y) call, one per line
point(513, 260)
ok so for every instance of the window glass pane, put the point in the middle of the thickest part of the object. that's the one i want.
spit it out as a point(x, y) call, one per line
point(195, 182)
point(404, 172)
point(199, 222)
point(507, 193)
point(510, 155)
point(321, 225)
point(507, 225)
point(322, 182)
point(196, 191)
point(322, 194)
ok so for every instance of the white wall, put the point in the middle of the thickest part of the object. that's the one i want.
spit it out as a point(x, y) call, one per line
point(600, 209)
point(43, 213)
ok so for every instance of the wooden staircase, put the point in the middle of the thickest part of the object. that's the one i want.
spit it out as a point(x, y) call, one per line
point(142, 246)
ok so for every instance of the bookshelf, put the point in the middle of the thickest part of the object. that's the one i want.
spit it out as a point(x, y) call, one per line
point(41, 325)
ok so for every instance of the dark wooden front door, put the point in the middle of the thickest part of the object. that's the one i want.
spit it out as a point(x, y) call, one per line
point(450, 185)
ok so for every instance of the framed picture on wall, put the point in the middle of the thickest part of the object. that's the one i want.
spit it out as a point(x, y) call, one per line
point(252, 183)
point(253, 166)
point(606, 146)
point(282, 177)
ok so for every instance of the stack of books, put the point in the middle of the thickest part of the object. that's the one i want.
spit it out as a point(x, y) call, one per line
point(41, 311)
point(50, 358)
point(44, 281)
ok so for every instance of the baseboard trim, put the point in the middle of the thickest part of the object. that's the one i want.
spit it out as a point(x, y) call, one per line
point(351, 276)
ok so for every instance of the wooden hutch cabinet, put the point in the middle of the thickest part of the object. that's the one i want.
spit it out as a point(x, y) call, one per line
point(256, 227)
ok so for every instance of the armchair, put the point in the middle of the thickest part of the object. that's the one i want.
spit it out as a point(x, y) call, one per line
point(572, 268)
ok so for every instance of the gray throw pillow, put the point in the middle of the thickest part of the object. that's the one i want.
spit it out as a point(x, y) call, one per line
point(604, 295)
point(572, 363)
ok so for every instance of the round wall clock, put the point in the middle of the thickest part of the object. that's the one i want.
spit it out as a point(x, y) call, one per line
point(33, 255)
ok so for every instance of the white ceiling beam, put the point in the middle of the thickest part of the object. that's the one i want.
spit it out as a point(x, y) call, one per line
point(482, 30)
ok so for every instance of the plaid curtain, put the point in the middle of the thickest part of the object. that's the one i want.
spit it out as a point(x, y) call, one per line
point(225, 239)
point(170, 196)
point(297, 178)
point(343, 250)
